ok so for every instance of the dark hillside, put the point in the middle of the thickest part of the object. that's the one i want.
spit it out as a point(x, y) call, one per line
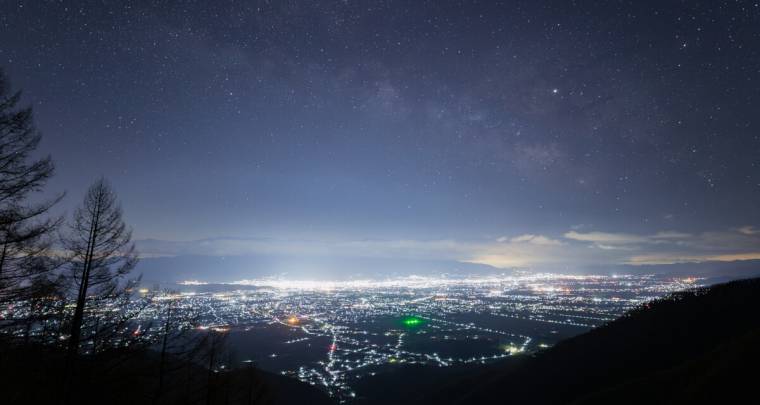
point(34, 375)
point(692, 344)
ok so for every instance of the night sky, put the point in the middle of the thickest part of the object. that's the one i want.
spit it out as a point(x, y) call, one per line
point(514, 133)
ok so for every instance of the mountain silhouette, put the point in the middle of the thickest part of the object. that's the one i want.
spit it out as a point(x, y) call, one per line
point(697, 346)
point(130, 378)
point(692, 346)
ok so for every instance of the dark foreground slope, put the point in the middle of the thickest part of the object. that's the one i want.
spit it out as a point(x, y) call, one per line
point(35, 375)
point(699, 346)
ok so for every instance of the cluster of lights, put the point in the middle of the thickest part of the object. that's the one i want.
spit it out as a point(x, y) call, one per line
point(368, 324)
point(410, 282)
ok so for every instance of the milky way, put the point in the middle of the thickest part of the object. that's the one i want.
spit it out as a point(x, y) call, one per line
point(510, 130)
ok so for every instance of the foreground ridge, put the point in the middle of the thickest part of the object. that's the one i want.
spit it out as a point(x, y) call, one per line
point(689, 346)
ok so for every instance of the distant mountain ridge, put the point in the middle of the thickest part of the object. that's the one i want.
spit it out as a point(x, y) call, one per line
point(715, 272)
point(226, 269)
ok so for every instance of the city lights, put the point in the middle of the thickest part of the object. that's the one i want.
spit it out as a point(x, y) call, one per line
point(358, 327)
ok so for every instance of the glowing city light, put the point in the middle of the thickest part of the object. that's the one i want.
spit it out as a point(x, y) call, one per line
point(361, 325)
point(412, 321)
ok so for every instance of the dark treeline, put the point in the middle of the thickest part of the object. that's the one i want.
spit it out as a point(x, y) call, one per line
point(71, 324)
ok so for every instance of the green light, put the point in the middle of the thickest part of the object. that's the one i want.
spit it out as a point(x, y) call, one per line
point(411, 321)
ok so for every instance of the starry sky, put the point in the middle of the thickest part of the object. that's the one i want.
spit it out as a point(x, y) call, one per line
point(510, 133)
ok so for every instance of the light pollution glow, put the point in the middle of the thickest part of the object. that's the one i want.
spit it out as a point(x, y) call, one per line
point(533, 281)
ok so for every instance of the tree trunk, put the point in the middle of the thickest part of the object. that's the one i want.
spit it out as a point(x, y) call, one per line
point(162, 366)
point(2, 258)
point(76, 323)
point(210, 383)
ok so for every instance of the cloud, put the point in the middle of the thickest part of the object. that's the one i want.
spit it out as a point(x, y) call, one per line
point(671, 247)
point(675, 258)
point(670, 235)
point(527, 251)
point(622, 241)
point(748, 230)
point(613, 247)
point(605, 238)
point(578, 250)
point(534, 239)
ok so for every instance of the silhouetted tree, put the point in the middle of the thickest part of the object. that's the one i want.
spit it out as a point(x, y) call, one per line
point(25, 229)
point(215, 348)
point(177, 341)
point(101, 255)
point(256, 390)
point(162, 359)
